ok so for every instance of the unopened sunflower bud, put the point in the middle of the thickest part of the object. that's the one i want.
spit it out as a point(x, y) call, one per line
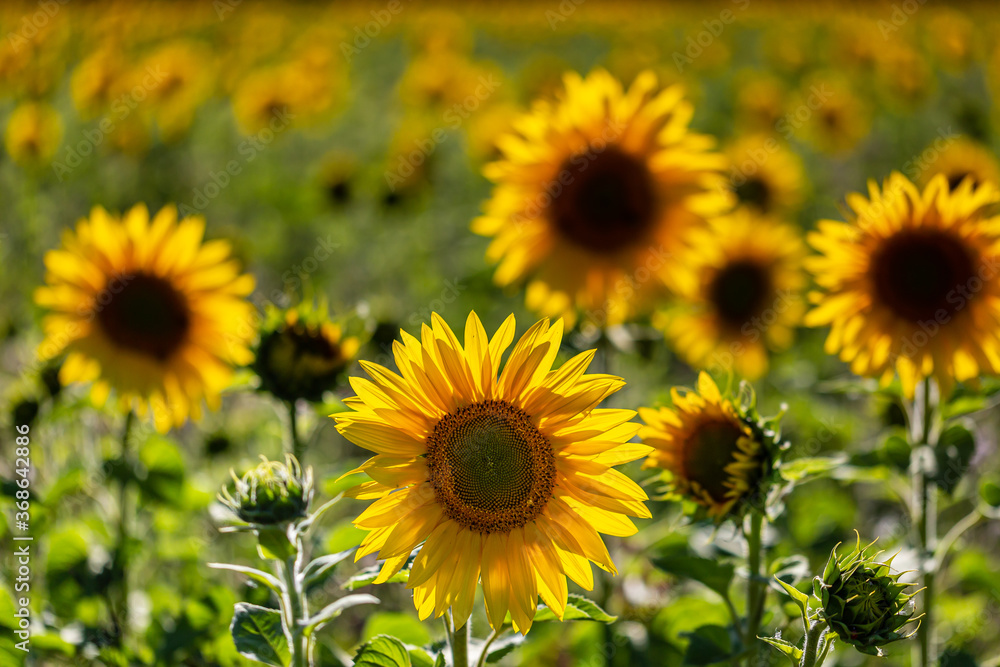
point(864, 601)
point(271, 493)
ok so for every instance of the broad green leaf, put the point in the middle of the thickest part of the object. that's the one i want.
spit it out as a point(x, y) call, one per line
point(320, 569)
point(503, 646)
point(334, 609)
point(715, 574)
point(800, 598)
point(258, 634)
point(787, 649)
point(578, 608)
point(268, 580)
point(382, 651)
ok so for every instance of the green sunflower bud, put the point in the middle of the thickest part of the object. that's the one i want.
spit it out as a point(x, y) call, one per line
point(272, 493)
point(864, 601)
point(302, 354)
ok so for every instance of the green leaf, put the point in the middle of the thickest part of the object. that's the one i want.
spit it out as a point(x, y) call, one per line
point(708, 645)
point(268, 580)
point(405, 627)
point(578, 608)
point(804, 468)
point(420, 658)
point(320, 569)
point(787, 649)
point(989, 491)
point(676, 560)
point(382, 651)
point(801, 599)
point(258, 634)
point(502, 647)
point(163, 466)
point(334, 609)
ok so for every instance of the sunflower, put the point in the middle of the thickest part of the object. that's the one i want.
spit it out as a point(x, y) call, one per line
point(760, 101)
point(765, 175)
point(837, 118)
point(594, 194)
point(146, 308)
point(745, 295)
point(951, 37)
point(507, 479)
point(959, 159)
point(909, 285)
point(34, 132)
point(709, 450)
point(177, 77)
point(301, 353)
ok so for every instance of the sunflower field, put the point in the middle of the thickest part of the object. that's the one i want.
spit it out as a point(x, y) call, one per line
point(568, 332)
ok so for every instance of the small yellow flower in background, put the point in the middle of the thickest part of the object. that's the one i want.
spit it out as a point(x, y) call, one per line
point(96, 82)
point(959, 158)
point(145, 308)
point(302, 353)
point(828, 114)
point(509, 479)
point(336, 176)
point(760, 101)
point(765, 175)
point(709, 450)
point(594, 195)
point(951, 37)
point(34, 132)
point(910, 284)
point(174, 81)
point(744, 295)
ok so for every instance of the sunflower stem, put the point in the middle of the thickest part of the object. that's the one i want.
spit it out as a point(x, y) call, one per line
point(810, 652)
point(295, 444)
point(756, 588)
point(296, 609)
point(494, 635)
point(121, 553)
point(458, 641)
point(924, 515)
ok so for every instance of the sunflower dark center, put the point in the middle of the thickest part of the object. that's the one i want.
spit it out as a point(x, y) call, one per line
point(955, 179)
point(609, 202)
point(490, 467)
point(756, 192)
point(709, 449)
point(739, 291)
point(145, 314)
point(918, 273)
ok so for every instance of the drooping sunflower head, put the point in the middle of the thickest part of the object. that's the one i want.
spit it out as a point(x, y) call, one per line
point(960, 158)
point(595, 192)
point(863, 600)
point(302, 354)
point(272, 493)
point(909, 285)
point(765, 175)
point(505, 476)
point(744, 296)
point(145, 308)
point(34, 132)
point(712, 451)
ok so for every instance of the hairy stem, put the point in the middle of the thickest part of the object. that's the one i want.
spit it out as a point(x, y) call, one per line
point(494, 635)
point(296, 610)
point(924, 515)
point(458, 641)
point(810, 652)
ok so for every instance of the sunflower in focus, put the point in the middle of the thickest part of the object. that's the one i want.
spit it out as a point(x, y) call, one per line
point(710, 451)
point(504, 476)
point(145, 308)
point(34, 132)
point(765, 175)
point(961, 158)
point(302, 353)
point(594, 194)
point(909, 285)
point(745, 295)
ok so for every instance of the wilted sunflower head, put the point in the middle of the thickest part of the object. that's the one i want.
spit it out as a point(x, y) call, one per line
point(271, 493)
point(301, 353)
point(863, 600)
point(712, 451)
point(594, 193)
point(909, 285)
